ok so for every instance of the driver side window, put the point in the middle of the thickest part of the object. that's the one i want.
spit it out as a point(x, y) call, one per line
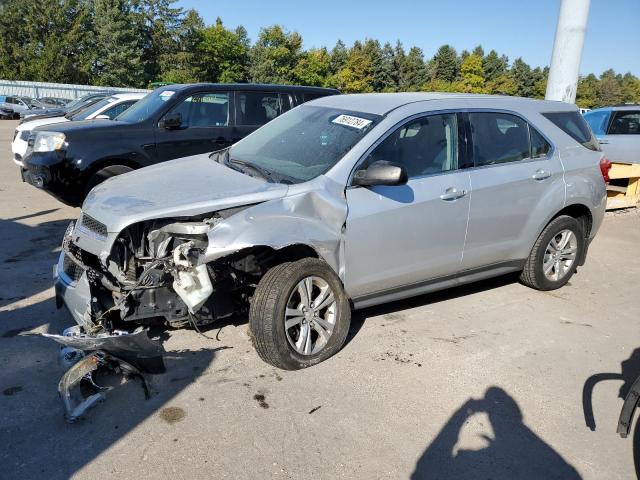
point(204, 110)
point(424, 146)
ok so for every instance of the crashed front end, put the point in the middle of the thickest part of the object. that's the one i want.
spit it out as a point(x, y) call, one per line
point(153, 272)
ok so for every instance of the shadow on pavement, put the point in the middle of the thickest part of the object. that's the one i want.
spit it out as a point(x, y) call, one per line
point(358, 317)
point(515, 452)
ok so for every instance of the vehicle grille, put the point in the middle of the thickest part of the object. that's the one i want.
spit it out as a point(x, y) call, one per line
point(71, 269)
point(91, 224)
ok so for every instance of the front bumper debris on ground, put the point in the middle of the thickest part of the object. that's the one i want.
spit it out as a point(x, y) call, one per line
point(121, 353)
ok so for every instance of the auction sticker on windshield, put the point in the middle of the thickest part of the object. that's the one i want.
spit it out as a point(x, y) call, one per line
point(351, 121)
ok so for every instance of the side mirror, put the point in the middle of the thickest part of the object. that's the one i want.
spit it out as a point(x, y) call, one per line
point(171, 121)
point(102, 117)
point(381, 172)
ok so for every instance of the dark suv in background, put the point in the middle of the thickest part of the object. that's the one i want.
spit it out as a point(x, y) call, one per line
point(68, 160)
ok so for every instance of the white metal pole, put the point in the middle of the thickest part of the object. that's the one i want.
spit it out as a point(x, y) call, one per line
point(567, 50)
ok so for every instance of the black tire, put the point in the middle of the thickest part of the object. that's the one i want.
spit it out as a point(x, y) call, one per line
point(107, 172)
point(533, 274)
point(267, 314)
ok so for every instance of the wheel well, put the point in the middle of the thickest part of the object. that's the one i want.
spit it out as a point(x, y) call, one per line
point(579, 212)
point(268, 257)
point(111, 162)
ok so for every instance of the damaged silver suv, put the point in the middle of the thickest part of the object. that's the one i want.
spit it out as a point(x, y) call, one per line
point(342, 203)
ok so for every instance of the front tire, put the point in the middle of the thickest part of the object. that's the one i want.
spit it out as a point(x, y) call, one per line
point(555, 256)
point(299, 314)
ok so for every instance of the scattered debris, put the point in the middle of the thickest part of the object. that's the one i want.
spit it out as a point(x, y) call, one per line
point(172, 414)
point(260, 398)
point(81, 374)
point(315, 409)
point(120, 353)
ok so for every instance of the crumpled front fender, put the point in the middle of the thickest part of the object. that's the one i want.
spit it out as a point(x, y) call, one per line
point(314, 217)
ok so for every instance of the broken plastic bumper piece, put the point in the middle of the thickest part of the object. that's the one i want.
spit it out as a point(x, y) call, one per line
point(120, 353)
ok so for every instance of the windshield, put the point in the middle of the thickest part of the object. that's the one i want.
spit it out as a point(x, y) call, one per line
point(304, 142)
point(86, 112)
point(146, 107)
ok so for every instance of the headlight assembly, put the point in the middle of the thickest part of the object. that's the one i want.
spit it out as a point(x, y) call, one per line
point(48, 142)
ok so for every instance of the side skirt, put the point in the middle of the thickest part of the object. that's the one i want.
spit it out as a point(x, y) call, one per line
point(440, 283)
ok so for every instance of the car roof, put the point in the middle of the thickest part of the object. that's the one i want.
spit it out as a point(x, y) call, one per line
point(246, 86)
point(622, 106)
point(383, 103)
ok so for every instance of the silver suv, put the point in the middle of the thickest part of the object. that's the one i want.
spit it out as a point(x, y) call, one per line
point(342, 203)
point(618, 131)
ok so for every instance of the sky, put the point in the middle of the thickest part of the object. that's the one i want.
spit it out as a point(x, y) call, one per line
point(516, 28)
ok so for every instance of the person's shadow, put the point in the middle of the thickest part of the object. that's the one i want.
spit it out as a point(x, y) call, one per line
point(514, 452)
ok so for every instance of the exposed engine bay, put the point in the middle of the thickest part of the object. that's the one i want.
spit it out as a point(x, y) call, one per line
point(155, 273)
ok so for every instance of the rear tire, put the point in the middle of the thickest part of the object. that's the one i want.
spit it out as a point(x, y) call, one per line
point(315, 332)
point(107, 172)
point(555, 256)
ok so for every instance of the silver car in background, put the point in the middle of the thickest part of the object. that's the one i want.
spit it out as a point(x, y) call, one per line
point(345, 202)
point(618, 131)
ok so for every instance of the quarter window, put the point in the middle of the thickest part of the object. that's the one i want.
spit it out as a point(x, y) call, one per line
point(539, 146)
point(574, 125)
point(498, 138)
point(424, 146)
point(625, 123)
point(257, 108)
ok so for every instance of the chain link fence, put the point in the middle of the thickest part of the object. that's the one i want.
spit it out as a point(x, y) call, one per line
point(61, 90)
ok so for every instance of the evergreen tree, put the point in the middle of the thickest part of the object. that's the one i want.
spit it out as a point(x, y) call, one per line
point(183, 64)
point(414, 73)
point(380, 74)
point(523, 78)
point(494, 66)
point(446, 64)
point(118, 61)
point(339, 56)
point(46, 40)
point(391, 75)
point(355, 75)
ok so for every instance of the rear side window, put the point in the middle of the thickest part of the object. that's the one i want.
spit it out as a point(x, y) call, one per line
point(598, 121)
point(574, 125)
point(257, 108)
point(625, 123)
point(498, 138)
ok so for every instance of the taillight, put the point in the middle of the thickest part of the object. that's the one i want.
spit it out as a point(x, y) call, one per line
point(605, 166)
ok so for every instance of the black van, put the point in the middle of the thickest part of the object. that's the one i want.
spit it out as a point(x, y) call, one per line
point(68, 159)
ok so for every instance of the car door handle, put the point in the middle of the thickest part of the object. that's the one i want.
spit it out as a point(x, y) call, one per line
point(452, 194)
point(603, 142)
point(541, 175)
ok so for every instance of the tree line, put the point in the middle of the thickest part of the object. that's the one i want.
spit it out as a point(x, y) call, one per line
point(131, 43)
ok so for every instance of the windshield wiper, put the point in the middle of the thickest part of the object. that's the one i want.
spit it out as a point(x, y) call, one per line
point(263, 172)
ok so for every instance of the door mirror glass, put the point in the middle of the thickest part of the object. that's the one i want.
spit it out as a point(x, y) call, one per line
point(172, 121)
point(381, 172)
